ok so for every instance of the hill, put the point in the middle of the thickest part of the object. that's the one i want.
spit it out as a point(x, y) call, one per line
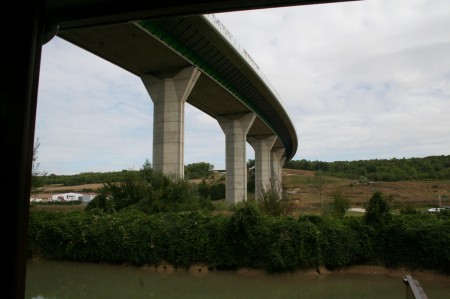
point(309, 190)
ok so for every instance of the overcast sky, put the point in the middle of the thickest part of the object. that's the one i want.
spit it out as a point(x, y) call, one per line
point(360, 80)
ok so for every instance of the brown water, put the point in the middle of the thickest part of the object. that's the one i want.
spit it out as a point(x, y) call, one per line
point(58, 280)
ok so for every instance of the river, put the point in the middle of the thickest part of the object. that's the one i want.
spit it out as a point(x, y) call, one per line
point(67, 280)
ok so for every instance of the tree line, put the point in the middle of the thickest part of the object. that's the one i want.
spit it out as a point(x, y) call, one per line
point(200, 170)
point(427, 168)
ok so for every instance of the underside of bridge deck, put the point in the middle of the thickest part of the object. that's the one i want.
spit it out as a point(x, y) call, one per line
point(30, 24)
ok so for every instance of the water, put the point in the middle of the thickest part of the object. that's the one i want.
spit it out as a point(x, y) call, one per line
point(58, 280)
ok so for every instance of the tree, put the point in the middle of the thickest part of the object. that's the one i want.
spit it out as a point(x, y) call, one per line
point(200, 170)
point(37, 182)
point(150, 191)
point(378, 211)
point(340, 204)
point(250, 163)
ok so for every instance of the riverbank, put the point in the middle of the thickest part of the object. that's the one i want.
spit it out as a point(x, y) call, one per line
point(400, 272)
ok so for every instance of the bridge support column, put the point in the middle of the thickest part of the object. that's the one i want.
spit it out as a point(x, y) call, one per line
point(277, 167)
point(169, 97)
point(262, 147)
point(236, 129)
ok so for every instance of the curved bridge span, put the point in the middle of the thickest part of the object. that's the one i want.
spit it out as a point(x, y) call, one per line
point(40, 21)
point(195, 59)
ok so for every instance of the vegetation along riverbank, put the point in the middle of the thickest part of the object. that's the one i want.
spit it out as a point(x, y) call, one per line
point(152, 219)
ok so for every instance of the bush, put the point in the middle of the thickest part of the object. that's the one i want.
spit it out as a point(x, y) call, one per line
point(339, 244)
point(273, 201)
point(340, 204)
point(418, 240)
point(100, 202)
point(150, 191)
point(212, 192)
point(248, 238)
point(407, 210)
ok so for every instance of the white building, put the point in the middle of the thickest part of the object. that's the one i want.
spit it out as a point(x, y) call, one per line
point(85, 198)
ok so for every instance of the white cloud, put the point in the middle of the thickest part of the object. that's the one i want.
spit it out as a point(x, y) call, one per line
point(361, 80)
point(92, 115)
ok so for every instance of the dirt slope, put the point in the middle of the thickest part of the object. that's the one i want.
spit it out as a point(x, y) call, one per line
point(309, 190)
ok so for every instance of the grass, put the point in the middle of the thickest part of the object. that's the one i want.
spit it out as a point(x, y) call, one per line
point(354, 214)
point(309, 189)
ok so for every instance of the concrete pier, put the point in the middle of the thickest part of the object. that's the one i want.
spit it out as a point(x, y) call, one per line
point(236, 128)
point(263, 172)
point(278, 160)
point(169, 97)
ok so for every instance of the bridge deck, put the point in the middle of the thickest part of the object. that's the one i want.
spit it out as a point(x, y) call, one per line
point(229, 85)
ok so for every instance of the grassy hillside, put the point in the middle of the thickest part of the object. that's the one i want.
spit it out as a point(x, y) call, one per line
point(309, 190)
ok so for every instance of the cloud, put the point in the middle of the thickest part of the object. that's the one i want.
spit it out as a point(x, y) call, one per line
point(92, 115)
point(360, 80)
point(204, 139)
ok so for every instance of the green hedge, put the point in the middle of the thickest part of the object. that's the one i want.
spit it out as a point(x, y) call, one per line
point(248, 238)
point(419, 241)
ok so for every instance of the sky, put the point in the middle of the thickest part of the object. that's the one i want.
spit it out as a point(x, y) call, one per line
point(360, 80)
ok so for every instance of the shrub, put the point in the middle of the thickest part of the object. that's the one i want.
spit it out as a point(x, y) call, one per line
point(248, 238)
point(150, 191)
point(213, 192)
point(100, 202)
point(340, 204)
point(407, 210)
point(273, 201)
point(419, 241)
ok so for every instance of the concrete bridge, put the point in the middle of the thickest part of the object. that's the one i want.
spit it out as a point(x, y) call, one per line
point(39, 22)
point(195, 60)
